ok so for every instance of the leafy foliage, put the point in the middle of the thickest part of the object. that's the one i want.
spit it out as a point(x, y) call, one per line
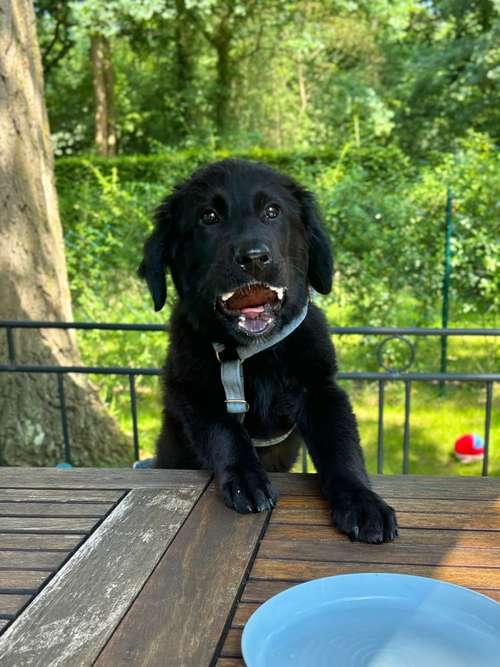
point(385, 218)
point(282, 74)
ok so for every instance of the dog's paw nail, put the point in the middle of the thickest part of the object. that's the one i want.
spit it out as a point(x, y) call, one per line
point(354, 533)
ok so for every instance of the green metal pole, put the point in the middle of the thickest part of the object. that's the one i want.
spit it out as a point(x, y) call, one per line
point(446, 281)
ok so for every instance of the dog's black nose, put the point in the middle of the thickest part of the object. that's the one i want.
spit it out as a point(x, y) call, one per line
point(254, 257)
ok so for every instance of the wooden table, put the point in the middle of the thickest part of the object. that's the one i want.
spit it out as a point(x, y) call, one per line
point(147, 567)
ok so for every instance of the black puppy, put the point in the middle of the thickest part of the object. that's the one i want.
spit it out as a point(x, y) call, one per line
point(244, 244)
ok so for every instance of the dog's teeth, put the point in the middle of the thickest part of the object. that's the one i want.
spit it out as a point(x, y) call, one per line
point(280, 291)
point(227, 296)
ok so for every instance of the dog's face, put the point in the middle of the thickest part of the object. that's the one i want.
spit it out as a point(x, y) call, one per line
point(242, 243)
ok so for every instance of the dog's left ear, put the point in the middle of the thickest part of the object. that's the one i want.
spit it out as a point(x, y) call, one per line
point(156, 255)
point(320, 272)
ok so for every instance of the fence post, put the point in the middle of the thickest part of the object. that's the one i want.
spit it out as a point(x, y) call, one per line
point(446, 283)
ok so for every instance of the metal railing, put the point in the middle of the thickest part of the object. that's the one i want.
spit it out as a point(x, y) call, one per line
point(388, 374)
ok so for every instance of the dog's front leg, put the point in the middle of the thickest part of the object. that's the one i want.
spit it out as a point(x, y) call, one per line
point(329, 429)
point(225, 447)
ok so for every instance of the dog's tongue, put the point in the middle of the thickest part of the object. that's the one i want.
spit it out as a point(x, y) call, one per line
point(253, 312)
point(255, 319)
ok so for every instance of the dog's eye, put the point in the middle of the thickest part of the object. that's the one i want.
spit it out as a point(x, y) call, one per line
point(271, 211)
point(209, 217)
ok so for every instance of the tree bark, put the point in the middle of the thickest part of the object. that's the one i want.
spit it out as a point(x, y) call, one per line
point(104, 95)
point(183, 35)
point(222, 44)
point(33, 278)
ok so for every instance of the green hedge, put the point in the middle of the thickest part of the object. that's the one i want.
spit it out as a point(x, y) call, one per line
point(385, 217)
point(377, 161)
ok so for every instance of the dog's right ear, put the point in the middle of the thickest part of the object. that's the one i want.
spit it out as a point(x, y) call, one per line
point(156, 255)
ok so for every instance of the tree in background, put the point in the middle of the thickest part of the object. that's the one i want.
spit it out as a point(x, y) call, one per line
point(291, 73)
point(34, 283)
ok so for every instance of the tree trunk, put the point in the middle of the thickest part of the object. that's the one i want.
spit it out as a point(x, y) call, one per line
point(104, 95)
point(34, 284)
point(222, 44)
point(183, 69)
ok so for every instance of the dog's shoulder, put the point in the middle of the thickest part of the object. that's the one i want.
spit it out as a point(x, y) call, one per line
point(309, 350)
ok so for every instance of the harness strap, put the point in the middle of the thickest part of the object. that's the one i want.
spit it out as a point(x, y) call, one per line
point(231, 370)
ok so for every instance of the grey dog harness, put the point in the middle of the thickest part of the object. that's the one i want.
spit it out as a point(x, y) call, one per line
point(231, 373)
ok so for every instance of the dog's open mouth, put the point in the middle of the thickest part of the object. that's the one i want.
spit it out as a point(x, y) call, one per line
point(255, 306)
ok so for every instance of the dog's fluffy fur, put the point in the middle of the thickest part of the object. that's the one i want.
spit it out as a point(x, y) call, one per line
point(239, 224)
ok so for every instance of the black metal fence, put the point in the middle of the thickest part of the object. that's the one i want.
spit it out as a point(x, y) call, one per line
point(388, 374)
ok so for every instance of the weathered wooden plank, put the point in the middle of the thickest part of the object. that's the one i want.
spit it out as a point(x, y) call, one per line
point(230, 662)
point(22, 581)
point(92, 510)
point(32, 560)
point(393, 552)
point(481, 577)
point(60, 495)
point(27, 524)
point(417, 486)
point(11, 605)
point(400, 486)
point(232, 644)
point(99, 478)
point(42, 542)
point(70, 620)
point(430, 505)
point(321, 517)
point(259, 590)
point(181, 613)
point(242, 614)
point(472, 539)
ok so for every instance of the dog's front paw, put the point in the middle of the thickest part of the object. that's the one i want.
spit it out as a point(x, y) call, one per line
point(364, 516)
point(247, 491)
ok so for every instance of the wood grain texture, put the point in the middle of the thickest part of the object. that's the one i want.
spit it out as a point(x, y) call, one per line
point(321, 517)
point(43, 542)
point(99, 478)
point(483, 577)
point(59, 495)
point(10, 605)
point(232, 644)
point(30, 524)
point(400, 486)
point(71, 619)
point(431, 505)
point(230, 662)
point(259, 590)
point(32, 560)
point(472, 539)
point(92, 510)
point(22, 581)
point(181, 613)
point(392, 552)
point(243, 613)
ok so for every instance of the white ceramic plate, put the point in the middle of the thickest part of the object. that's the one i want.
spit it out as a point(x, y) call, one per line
point(374, 620)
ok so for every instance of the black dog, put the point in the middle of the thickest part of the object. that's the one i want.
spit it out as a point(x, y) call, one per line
point(244, 244)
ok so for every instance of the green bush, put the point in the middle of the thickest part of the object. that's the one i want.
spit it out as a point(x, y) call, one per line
point(385, 218)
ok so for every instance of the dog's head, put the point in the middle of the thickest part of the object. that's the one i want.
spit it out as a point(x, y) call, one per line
point(242, 243)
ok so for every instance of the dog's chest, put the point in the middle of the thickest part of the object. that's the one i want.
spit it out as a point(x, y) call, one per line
point(273, 395)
